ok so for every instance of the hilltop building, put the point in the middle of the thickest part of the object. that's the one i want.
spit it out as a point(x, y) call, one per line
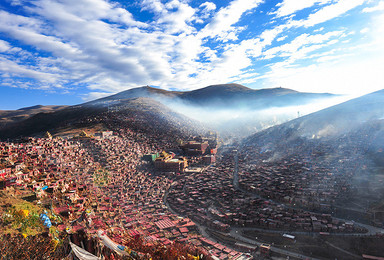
point(104, 134)
point(83, 136)
point(167, 163)
point(48, 135)
point(194, 148)
point(204, 148)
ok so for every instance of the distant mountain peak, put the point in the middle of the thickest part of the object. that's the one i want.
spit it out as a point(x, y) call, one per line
point(229, 86)
point(221, 95)
point(32, 107)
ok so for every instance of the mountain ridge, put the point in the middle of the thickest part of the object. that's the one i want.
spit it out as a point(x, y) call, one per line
point(12, 116)
point(222, 95)
point(88, 115)
point(328, 124)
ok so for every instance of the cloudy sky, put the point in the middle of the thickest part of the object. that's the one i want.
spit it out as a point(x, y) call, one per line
point(68, 51)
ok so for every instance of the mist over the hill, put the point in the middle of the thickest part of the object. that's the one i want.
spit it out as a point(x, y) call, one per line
point(241, 120)
point(232, 109)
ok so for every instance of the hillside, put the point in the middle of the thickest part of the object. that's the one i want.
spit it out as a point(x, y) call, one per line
point(11, 116)
point(232, 104)
point(145, 91)
point(231, 109)
point(338, 154)
point(332, 122)
point(147, 114)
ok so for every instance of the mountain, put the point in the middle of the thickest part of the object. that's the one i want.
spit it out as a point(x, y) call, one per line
point(231, 109)
point(11, 116)
point(328, 123)
point(145, 91)
point(217, 99)
point(235, 95)
point(339, 154)
point(223, 96)
point(143, 114)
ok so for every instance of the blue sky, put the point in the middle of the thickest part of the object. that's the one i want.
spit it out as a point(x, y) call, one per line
point(69, 51)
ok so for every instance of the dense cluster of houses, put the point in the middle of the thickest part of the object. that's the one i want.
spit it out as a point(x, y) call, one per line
point(101, 182)
point(116, 181)
point(210, 198)
point(291, 182)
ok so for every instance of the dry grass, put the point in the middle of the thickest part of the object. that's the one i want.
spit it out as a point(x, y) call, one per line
point(69, 132)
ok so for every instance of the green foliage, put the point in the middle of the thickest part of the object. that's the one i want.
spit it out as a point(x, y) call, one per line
point(24, 218)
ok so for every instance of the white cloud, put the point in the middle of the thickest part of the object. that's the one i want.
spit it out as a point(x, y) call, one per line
point(344, 74)
point(269, 35)
point(204, 11)
point(28, 30)
point(290, 49)
point(86, 56)
point(152, 5)
point(326, 13)
point(16, 2)
point(99, 44)
point(208, 6)
point(177, 21)
point(288, 7)
point(331, 11)
point(349, 68)
point(378, 7)
point(11, 68)
point(4, 46)
point(282, 38)
point(222, 24)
